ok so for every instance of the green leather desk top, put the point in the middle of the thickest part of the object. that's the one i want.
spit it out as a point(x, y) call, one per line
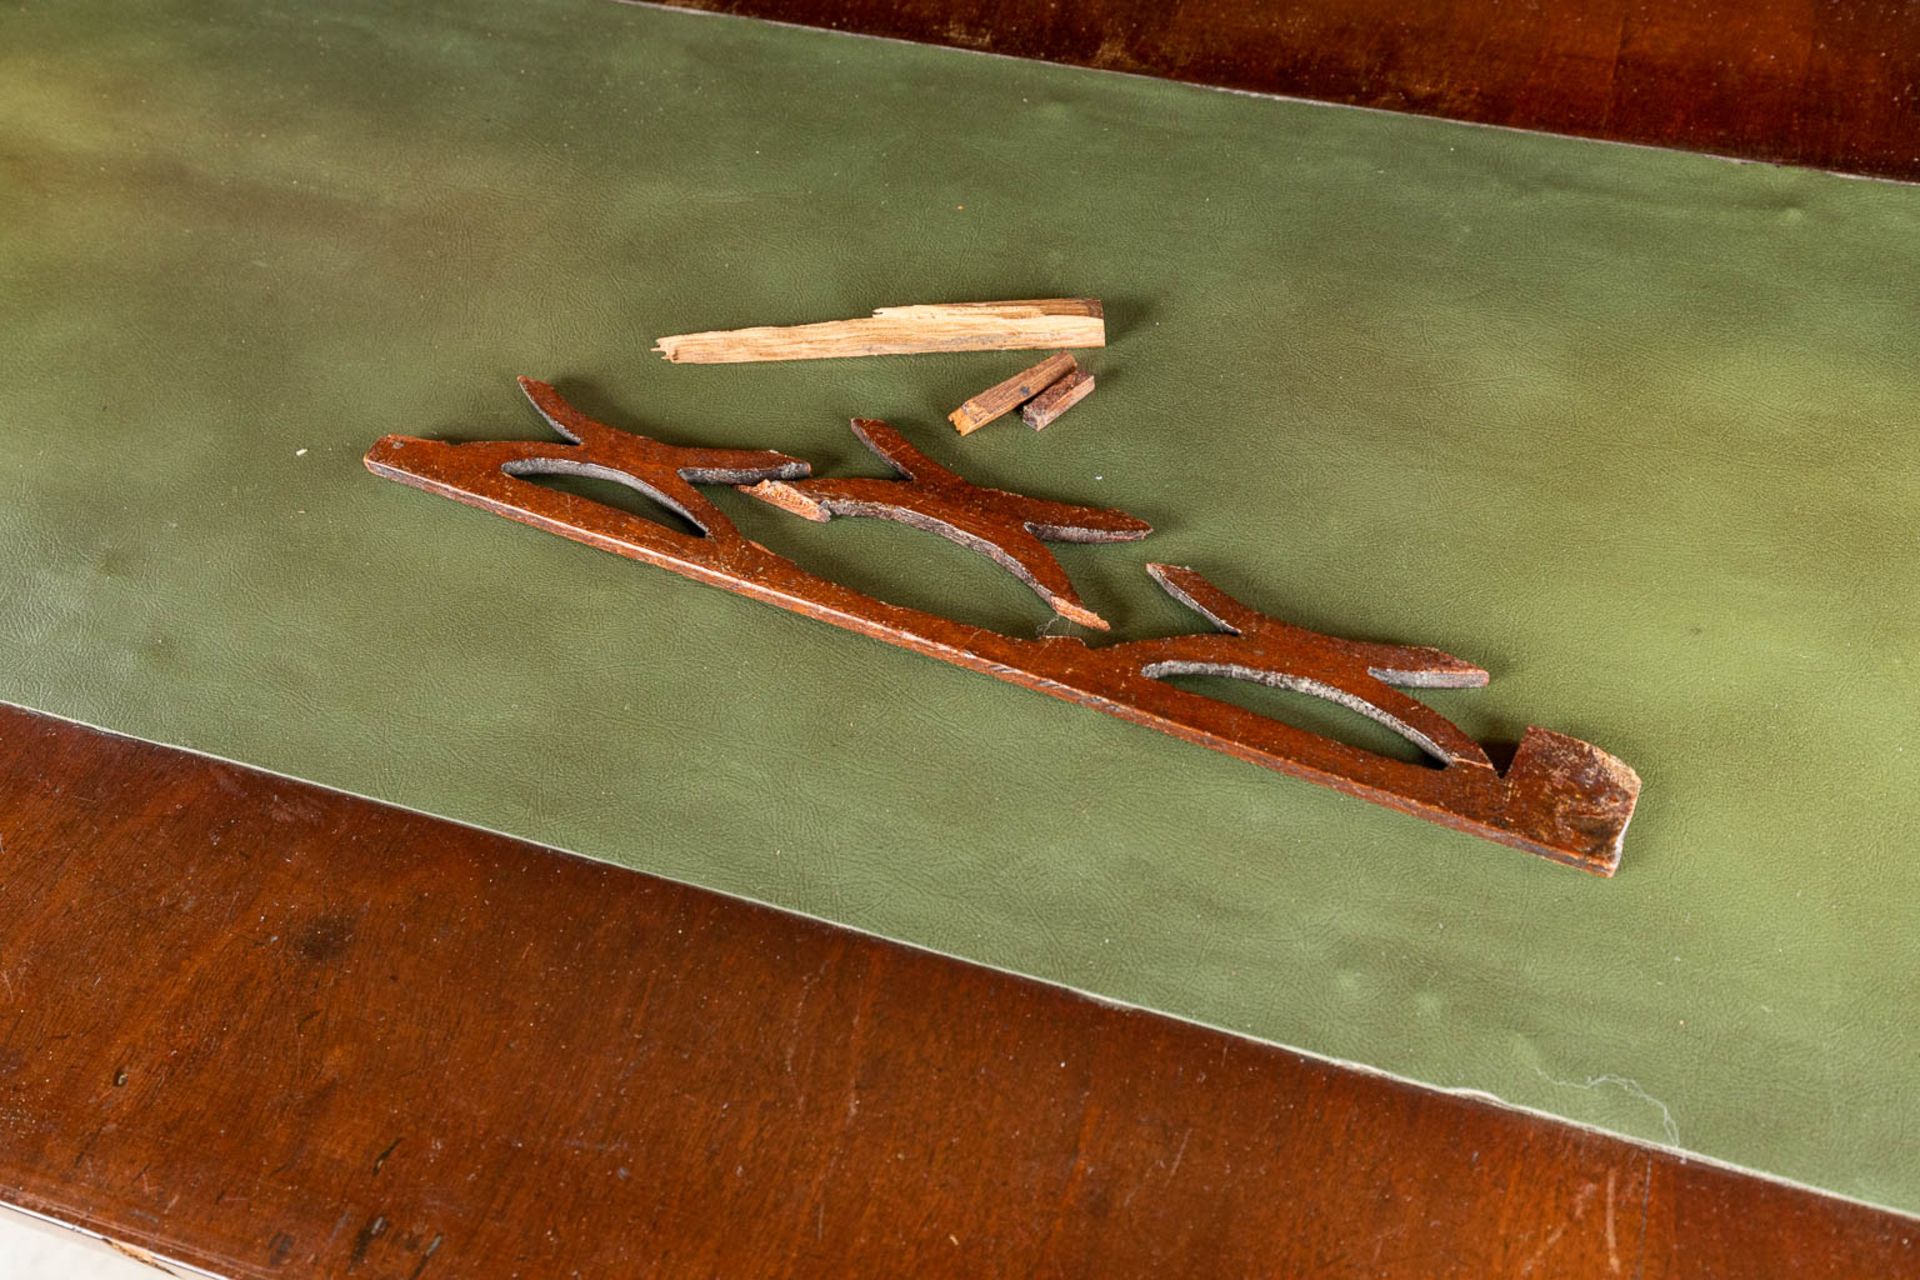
point(1633, 430)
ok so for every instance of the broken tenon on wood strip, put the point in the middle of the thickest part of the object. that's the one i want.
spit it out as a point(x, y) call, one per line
point(954, 326)
point(1005, 397)
point(1057, 399)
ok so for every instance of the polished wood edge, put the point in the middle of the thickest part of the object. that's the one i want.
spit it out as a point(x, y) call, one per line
point(1830, 86)
point(268, 1029)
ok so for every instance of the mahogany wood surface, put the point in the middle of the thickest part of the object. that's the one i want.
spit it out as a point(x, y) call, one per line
point(272, 1030)
point(1834, 84)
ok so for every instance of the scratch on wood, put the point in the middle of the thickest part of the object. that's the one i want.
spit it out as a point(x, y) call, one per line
point(1180, 1154)
point(1546, 1247)
point(1613, 1241)
point(433, 1247)
point(364, 1241)
point(1559, 797)
point(1646, 1206)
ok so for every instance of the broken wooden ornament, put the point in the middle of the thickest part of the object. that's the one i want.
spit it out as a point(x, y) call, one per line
point(1559, 797)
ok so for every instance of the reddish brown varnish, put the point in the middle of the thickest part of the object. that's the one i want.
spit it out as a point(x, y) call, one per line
point(1008, 527)
point(1560, 798)
point(1834, 85)
point(282, 1033)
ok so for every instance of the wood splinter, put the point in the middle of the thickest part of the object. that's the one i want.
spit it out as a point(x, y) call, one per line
point(1057, 399)
point(893, 331)
point(1004, 397)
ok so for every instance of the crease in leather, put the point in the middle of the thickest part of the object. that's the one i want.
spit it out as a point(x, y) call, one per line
point(1631, 429)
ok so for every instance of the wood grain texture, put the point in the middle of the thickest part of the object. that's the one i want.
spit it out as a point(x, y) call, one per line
point(1003, 398)
point(275, 1031)
point(1045, 409)
point(1834, 85)
point(902, 331)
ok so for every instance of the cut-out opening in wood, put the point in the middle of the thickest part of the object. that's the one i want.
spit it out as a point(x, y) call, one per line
point(1314, 708)
point(609, 487)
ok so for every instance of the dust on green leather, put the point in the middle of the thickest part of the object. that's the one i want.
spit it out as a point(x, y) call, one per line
point(1633, 430)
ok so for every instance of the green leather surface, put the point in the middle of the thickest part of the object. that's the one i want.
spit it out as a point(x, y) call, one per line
point(1634, 430)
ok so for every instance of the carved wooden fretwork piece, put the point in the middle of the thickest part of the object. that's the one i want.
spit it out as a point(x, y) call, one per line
point(1560, 798)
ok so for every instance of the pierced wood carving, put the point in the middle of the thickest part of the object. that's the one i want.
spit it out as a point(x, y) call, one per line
point(1560, 798)
point(1007, 527)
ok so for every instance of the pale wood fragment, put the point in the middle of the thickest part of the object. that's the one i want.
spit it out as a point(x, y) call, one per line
point(953, 326)
point(1057, 399)
point(1005, 397)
